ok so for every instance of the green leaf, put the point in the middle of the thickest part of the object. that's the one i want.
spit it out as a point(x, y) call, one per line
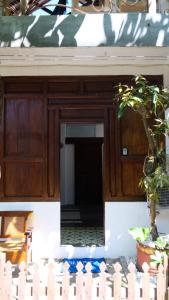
point(140, 233)
point(122, 107)
point(160, 243)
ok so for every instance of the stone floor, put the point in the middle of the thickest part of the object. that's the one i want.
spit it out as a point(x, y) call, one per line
point(82, 236)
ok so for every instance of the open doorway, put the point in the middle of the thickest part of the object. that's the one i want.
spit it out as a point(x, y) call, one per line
point(82, 209)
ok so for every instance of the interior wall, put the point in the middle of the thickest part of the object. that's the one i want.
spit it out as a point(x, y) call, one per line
point(67, 169)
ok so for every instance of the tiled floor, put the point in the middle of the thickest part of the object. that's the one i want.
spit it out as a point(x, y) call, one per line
point(82, 236)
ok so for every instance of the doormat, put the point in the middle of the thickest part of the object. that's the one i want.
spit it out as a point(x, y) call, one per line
point(95, 262)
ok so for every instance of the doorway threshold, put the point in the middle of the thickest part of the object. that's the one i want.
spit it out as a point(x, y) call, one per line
point(82, 236)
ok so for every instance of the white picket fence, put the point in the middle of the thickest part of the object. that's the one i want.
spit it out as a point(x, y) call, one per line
point(46, 285)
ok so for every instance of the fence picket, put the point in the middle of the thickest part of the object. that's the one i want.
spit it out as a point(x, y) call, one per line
point(85, 285)
point(160, 283)
point(117, 281)
point(22, 282)
point(102, 283)
point(36, 283)
point(2, 275)
point(146, 282)
point(65, 281)
point(88, 282)
point(8, 281)
point(166, 278)
point(131, 282)
point(51, 282)
point(79, 282)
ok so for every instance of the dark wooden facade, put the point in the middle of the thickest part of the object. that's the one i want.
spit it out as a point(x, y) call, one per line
point(35, 107)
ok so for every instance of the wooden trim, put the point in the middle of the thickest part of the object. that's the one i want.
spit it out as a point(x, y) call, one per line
point(106, 160)
point(132, 158)
point(118, 156)
point(2, 139)
point(51, 151)
point(52, 199)
point(82, 140)
point(112, 154)
point(45, 144)
point(129, 198)
point(57, 155)
point(81, 121)
point(22, 159)
point(28, 199)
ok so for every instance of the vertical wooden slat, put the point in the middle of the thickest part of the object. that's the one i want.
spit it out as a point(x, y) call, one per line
point(45, 142)
point(1, 137)
point(36, 283)
point(51, 282)
point(118, 155)
point(57, 155)
point(106, 166)
point(117, 281)
point(8, 281)
point(88, 282)
point(22, 282)
point(65, 282)
point(51, 154)
point(102, 282)
point(87, 292)
point(54, 155)
point(166, 278)
point(112, 154)
point(146, 282)
point(131, 282)
point(79, 282)
point(160, 283)
point(2, 275)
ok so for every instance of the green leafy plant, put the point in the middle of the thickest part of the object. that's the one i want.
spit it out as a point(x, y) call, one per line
point(161, 243)
point(157, 258)
point(140, 233)
point(150, 102)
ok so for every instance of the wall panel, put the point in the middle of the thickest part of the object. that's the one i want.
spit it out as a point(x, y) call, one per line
point(131, 175)
point(23, 179)
point(24, 127)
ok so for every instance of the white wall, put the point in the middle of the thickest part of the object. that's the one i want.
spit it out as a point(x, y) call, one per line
point(118, 218)
point(46, 225)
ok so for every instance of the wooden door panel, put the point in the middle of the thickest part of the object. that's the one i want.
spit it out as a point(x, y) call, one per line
point(23, 179)
point(24, 127)
point(132, 172)
point(24, 144)
point(132, 134)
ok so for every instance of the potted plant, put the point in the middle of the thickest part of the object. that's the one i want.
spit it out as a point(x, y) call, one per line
point(150, 102)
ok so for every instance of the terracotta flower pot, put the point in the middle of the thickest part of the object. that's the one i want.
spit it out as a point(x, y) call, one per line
point(144, 253)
